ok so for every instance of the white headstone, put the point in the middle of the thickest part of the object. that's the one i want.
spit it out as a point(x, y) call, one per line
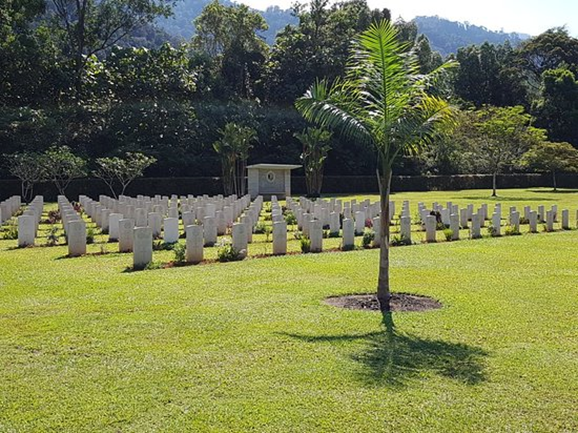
point(113, 226)
point(26, 230)
point(348, 240)
point(359, 222)
point(210, 231)
point(565, 219)
point(280, 238)
point(533, 221)
point(76, 237)
point(125, 235)
point(140, 217)
point(455, 226)
point(496, 224)
point(155, 222)
point(405, 228)
point(240, 241)
point(316, 236)
point(430, 228)
point(476, 224)
point(171, 230)
point(142, 247)
point(194, 243)
point(377, 232)
point(515, 221)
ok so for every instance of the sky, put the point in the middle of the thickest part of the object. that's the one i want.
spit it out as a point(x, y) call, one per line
point(523, 16)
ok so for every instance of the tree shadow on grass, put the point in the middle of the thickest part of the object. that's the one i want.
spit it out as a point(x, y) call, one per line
point(392, 358)
point(551, 191)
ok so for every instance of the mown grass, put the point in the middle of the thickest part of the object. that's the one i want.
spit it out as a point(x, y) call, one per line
point(250, 346)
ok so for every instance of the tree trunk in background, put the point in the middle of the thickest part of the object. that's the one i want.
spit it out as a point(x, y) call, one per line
point(554, 179)
point(494, 185)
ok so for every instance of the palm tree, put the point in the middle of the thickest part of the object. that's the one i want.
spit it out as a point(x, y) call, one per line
point(233, 148)
point(315, 150)
point(382, 103)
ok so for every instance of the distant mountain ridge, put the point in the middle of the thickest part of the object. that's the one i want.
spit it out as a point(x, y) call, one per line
point(444, 35)
point(447, 36)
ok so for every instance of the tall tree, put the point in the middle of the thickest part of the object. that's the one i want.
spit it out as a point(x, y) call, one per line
point(61, 166)
point(90, 27)
point(383, 103)
point(230, 36)
point(551, 158)
point(499, 137)
point(549, 50)
point(318, 47)
point(557, 109)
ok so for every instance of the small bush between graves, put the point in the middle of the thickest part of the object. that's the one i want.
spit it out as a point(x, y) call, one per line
point(162, 246)
point(305, 245)
point(399, 240)
point(260, 228)
point(512, 231)
point(492, 231)
point(368, 237)
point(180, 253)
point(227, 253)
point(448, 234)
point(52, 236)
point(90, 235)
point(10, 232)
point(290, 218)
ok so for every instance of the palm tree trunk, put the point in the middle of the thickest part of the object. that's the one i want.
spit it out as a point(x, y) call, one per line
point(383, 292)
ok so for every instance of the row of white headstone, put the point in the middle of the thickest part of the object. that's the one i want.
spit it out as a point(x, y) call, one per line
point(204, 218)
point(9, 208)
point(337, 216)
point(74, 227)
point(29, 221)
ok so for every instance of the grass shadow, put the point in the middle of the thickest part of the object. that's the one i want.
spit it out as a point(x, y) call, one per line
point(551, 191)
point(392, 358)
point(499, 199)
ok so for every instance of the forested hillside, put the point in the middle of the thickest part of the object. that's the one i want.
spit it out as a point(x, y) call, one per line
point(448, 36)
point(180, 24)
point(96, 87)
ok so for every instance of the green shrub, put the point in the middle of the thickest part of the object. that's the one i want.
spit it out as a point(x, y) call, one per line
point(10, 232)
point(511, 231)
point(227, 253)
point(90, 235)
point(52, 237)
point(448, 233)
point(153, 265)
point(333, 234)
point(261, 227)
point(399, 240)
point(162, 246)
point(180, 253)
point(368, 237)
point(305, 245)
point(492, 231)
point(290, 218)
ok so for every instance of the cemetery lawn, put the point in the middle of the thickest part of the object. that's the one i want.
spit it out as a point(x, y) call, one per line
point(250, 346)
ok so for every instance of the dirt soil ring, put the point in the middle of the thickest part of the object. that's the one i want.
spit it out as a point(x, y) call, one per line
point(399, 302)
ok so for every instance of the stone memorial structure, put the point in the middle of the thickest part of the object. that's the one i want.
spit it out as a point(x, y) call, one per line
point(270, 179)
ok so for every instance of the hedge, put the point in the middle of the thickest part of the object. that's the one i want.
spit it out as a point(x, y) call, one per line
point(331, 185)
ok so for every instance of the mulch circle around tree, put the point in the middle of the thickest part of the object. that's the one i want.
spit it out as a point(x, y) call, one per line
point(399, 302)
